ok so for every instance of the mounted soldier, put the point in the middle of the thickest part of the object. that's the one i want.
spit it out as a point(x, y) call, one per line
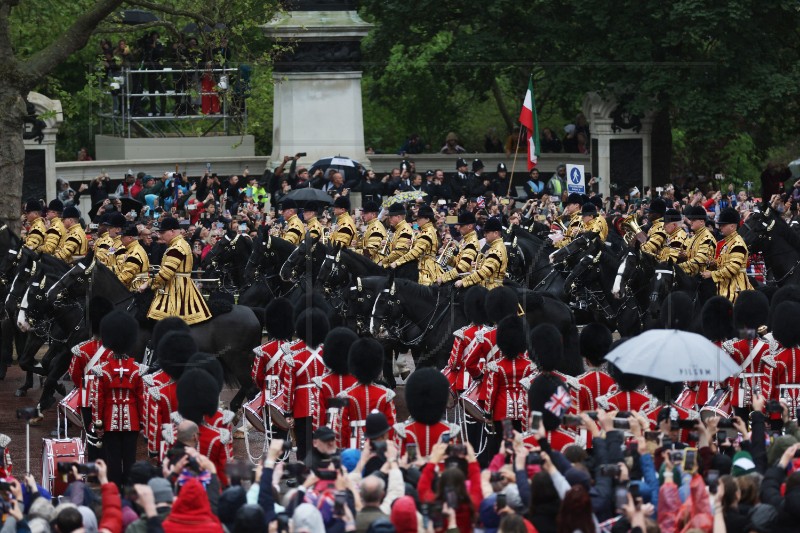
point(133, 265)
point(423, 249)
point(374, 234)
point(36, 232)
point(56, 233)
point(76, 245)
point(492, 269)
point(345, 230)
point(294, 230)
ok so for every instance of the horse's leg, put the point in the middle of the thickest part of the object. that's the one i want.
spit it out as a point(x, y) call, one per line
point(58, 367)
point(7, 333)
point(389, 348)
point(29, 356)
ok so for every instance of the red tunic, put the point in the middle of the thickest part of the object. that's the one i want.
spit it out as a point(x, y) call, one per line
point(481, 351)
point(785, 372)
point(119, 395)
point(598, 383)
point(297, 377)
point(361, 401)
point(152, 429)
point(626, 401)
point(268, 362)
point(506, 396)
point(455, 370)
point(82, 376)
point(222, 419)
point(165, 403)
point(330, 385)
point(580, 393)
point(748, 354)
point(424, 436)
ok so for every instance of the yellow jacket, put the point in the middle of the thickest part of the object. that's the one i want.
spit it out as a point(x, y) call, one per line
point(598, 225)
point(401, 242)
point(176, 293)
point(294, 230)
point(373, 239)
point(492, 269)
point(54, 237)
point(315, 229)
point(36, 234)
point(132, 266)
point(423, 250)
point(700, 249)
point(573, 229)
point(673, 245)
point(345, 230)
point(656, 237)
point(463, 262)
point(75, 246)
point(731, 273)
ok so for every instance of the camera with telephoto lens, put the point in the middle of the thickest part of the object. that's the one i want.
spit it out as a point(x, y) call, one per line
point(27, 413)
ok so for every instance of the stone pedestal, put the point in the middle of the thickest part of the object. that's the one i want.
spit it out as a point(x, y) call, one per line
point(621, 145)
point(318, 83)
point(39, 175)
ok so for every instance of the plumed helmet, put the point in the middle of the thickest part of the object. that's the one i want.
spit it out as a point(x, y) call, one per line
point(99, 307)
point(119, 332)
point(312, 326)
point(475, 304)
point(500, 303)
point(511, 336)
point(716, 319)
point(279, 319)
point(595, 342)
point(365, 360)
point(198, 395)
point(544, 389)
point(173, 352)
point(676, 311)
point(427, 393)
point(208, 362)
point(784, 324)
point(337, 349)
point(665, 391)
point(546, 347)
point(751, 310)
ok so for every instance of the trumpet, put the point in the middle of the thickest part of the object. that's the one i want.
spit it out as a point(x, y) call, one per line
point(448, 251)
point(631, 227)
point(386, 242)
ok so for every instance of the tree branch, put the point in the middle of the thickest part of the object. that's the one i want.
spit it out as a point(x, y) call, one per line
point(172, 11)
point(127, 28)
point(72, 39)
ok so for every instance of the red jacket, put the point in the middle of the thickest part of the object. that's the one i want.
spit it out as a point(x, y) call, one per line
point(506, 396)
point(785, 372)
point(191, 512)
point(361, 401)
point(456, 370)
point(152, 431)
point(267, 362)
point(598, 383)
point(481, 351)
point(331, 385)
point(165, 402)
point(111, 518)
point(749, 355)
point(300, 367)
point(83, 377)
point(119, 395)
point(464, 514)
point(424, 436)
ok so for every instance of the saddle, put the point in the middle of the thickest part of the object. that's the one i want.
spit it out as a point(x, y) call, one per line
point(220, 303)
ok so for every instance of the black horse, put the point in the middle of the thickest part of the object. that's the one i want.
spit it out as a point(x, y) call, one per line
point(768, 233)
point(668, 278)
point(227, 260)
point(262, 281)
point(231, 336)
point(10, 254)
point(529, 261)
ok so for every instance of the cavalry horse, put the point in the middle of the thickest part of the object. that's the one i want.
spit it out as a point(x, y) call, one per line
point(768, 233)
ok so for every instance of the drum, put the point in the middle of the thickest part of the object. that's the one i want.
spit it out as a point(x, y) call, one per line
point(720, 405)
point(56, 451)
point(71, 407)
point(687, 398)
point(254, 412)
point(278, 410)
point(472, 403)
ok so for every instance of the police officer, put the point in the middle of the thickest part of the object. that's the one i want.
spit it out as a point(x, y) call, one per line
point(492, 269)
point(36, 233)
point(467, 251)
point(374, 234)
point(294, 229)
point(76, 245)
point(345, 226)
point(133, 264)
point(423, 249)
point(56, 233)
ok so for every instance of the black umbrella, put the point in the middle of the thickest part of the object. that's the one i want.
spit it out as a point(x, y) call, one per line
point(348, 167)
point(128, 204)
point(192, 27)
point(309, 194)
point(133, 17)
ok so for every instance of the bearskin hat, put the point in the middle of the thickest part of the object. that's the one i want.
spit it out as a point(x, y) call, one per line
point(312, 326)
point(208, 362)
point(164, 326)
point(173, 352)
point(119, 332)
point(99, 307)
point(595, 342)
point(751, 310)
point(427, 392)
point(365, 360)
point(676, 311)
point(784, 324)
point(198, 395)
point(625, 382)
point(337, 349)
point(511, 336)
point(279, 319)
point(546, 347)
point(500, 303)
point(475, 304)
point(540, 394)
point(665, 391)
point(318, 301)
point(786, 293)
point(716, 319)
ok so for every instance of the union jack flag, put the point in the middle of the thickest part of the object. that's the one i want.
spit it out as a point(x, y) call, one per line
point(559, 402)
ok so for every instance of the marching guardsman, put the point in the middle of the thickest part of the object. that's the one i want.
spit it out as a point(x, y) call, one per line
point(465, 338)
point(337, 377)
point(301, 366)
point(492, 270)
point(676, 236)
point(547, 351)
point(592, 221)
point(572, 211)
point(85, 357)
point(345, 230)
point(117, 411)
point(716, 324)
point(152, 381)
point(374, 234)
point(403, 234)
point(175, 293)
point(56, 232)
point(76, 245)
point(467, 251)
point(656, 236)
point(313, 226)
point(749, 349)
point(365, 363)
point(222, 418)
point(699, 247)
point(36, 233)
point(498, 304)
point(786, 370)
point(132, 265)
point(266, 369)
point(423, 249)
point(595, 342)
point(629, 396)
point(172, 352)
point(426, 399)
point(294, 229)
point(730, 273)
point(107, 246)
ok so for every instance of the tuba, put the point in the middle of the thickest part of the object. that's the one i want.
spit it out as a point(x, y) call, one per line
point(631, 227)
point(448, 251)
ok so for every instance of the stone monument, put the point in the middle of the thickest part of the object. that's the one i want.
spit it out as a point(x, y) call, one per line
point(318, 82)
point(41, 127)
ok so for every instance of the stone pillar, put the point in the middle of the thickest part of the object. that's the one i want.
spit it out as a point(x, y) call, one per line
point(317, 103)
point(39, 175)
point(621, 145)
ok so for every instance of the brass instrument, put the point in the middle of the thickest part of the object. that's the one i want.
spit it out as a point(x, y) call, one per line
point(631, 227)
point(448, 251)
point(386, 242)
point(560, 223)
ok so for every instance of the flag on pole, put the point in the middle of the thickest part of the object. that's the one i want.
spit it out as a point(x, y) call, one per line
point(529, 120)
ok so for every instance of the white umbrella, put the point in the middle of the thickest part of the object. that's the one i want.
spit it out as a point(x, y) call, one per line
point(674, 356)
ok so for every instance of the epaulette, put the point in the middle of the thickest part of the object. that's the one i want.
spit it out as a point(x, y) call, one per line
point(571, 381)
point(769, 359)
point(728, 345)
point(400, 427)
point(149, 380)
point(259, 351)
point(77, 349)
point(459, 333)
point(491, 366)
point(97, 370)
point(224, 435)
point(227, 416)
point(5, 440)
point(168, 433)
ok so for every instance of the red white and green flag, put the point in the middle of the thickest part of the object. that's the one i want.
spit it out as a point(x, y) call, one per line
point(529, 120)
